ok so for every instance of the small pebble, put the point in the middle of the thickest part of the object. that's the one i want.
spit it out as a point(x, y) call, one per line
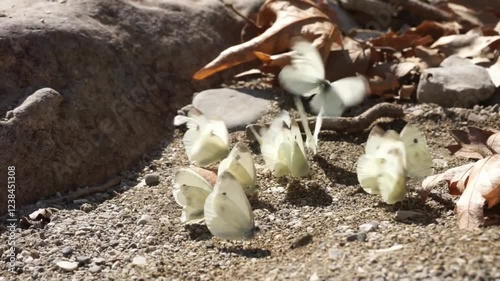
point(474, 117)
point(139, 260)
point(334, 253)
point(209, 244)
point(361, 236)
point(94, 269)
point(82, 260)
point(367, 227)
point(98, 260)
point(152, 179)
point(144, 219)
point(68, 266)
point(314, 277)
point(67, 251)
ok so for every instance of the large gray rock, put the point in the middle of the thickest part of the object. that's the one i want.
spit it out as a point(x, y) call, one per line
point(236, 107)
point(455, 86)
point(117, 72)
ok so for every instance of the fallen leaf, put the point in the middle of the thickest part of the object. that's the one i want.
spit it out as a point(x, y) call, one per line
point(210, 175)
point(465, 45)
point(493, 142)
point(494, 72)
point(477, 12)
point(424, 57)
point(286, 19)
point(379, 85)
point(471, 144)
point(400, 42)
point(482, 187)
point(454, 177)
point(402, 69)
point(435, 29)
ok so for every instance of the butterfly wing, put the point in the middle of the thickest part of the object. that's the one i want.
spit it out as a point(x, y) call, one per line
point(299, 167)
point(306, 70)
point(219, 129)
point(228, 213)
point(351, 90)
point(392, 179)
point(367, 170)
point(418, 157)
point(190, 191)
point(375, 139)
point(192, 211)
point(340, 95)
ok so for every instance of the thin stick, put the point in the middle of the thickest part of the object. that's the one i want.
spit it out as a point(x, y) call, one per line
point(84, 191)
point(347, 124)
point(232, 8)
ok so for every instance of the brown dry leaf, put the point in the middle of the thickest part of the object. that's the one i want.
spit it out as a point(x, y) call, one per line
point(494, 72)
point(466, 45)
point(208, 174)
point(477, 12)
point(493, 142)
point(401, 42)
point(345, 63)
point(435, 29)
point(472, 144)
point(379, 85)
point(456, 178)
point(286, 19)
point(483, 186)
point(424, 57)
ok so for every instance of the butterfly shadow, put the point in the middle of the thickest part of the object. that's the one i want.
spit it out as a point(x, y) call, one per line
point(198, 232)
point(311, 195)
point(413, 211)
point(247, 252)
point(334, 173)
point(258, 204)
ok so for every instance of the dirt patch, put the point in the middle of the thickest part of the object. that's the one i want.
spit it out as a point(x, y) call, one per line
point(309, 227)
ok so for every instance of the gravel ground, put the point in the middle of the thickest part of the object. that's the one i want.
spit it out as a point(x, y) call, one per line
point(310, 228)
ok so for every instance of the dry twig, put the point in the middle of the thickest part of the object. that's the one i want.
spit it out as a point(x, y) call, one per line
point(346, 124)
point(84, 191)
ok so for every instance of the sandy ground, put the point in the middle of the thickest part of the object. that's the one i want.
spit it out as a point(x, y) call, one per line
point(306, 225)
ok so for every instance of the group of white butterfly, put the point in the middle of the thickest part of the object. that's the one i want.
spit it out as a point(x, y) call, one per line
point(388, 160)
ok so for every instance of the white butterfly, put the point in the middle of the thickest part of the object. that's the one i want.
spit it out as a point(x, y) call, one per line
point(390, 158)
point(228, 213)
point(240, 164)
point(382, 169)
point(190, 192)
point(305, 76)
point(206, 141)
point(418, 157)
point(283, 148)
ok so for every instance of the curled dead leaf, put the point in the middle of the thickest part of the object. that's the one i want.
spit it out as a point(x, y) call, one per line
point(401, 42)
point(435, 29)
point(493, 142)
point(482, 187)
point(471, 144)
point(209, 175)
point(285, 19)
point(466, 45)
point(454, 177)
